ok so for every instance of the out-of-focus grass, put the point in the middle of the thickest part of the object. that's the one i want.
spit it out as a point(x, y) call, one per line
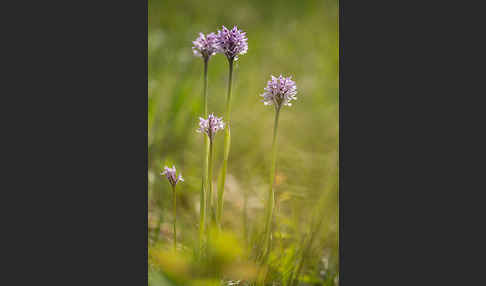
point(298, 38)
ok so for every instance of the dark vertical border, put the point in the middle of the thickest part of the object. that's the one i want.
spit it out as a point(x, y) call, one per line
point(145, 262)
point(85, 145)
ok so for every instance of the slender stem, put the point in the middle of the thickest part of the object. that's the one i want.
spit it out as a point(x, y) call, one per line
point(210, 179)
point(202, 222)
point(270, 204)
point(175, 216)
point(205, 92)
point(271, 193)
point(227, 142)
point(228, 99)
point(202, 206)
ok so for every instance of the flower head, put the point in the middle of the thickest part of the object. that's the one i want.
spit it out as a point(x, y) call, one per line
point(170, 173)
point(205, 45)
point(232, 42)
point(279, 91)
point(210, 126)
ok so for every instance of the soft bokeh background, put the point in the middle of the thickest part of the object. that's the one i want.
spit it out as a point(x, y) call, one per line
point(298, 38)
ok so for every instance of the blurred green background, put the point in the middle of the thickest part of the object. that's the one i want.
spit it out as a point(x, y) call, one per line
point(298, 38)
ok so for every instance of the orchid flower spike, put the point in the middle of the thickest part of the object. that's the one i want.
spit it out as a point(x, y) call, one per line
point(279, 91)
point(210, 126)
point(232, 42)
point(205, 45)
point(170, 173)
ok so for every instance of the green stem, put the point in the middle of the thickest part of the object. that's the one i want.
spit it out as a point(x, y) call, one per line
point(271, 193)
point(270, 205)
point(210, 179)
point(202, 206)
point(175, 216)
point(205, 92)
point(226, 148)
point(202, 217)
